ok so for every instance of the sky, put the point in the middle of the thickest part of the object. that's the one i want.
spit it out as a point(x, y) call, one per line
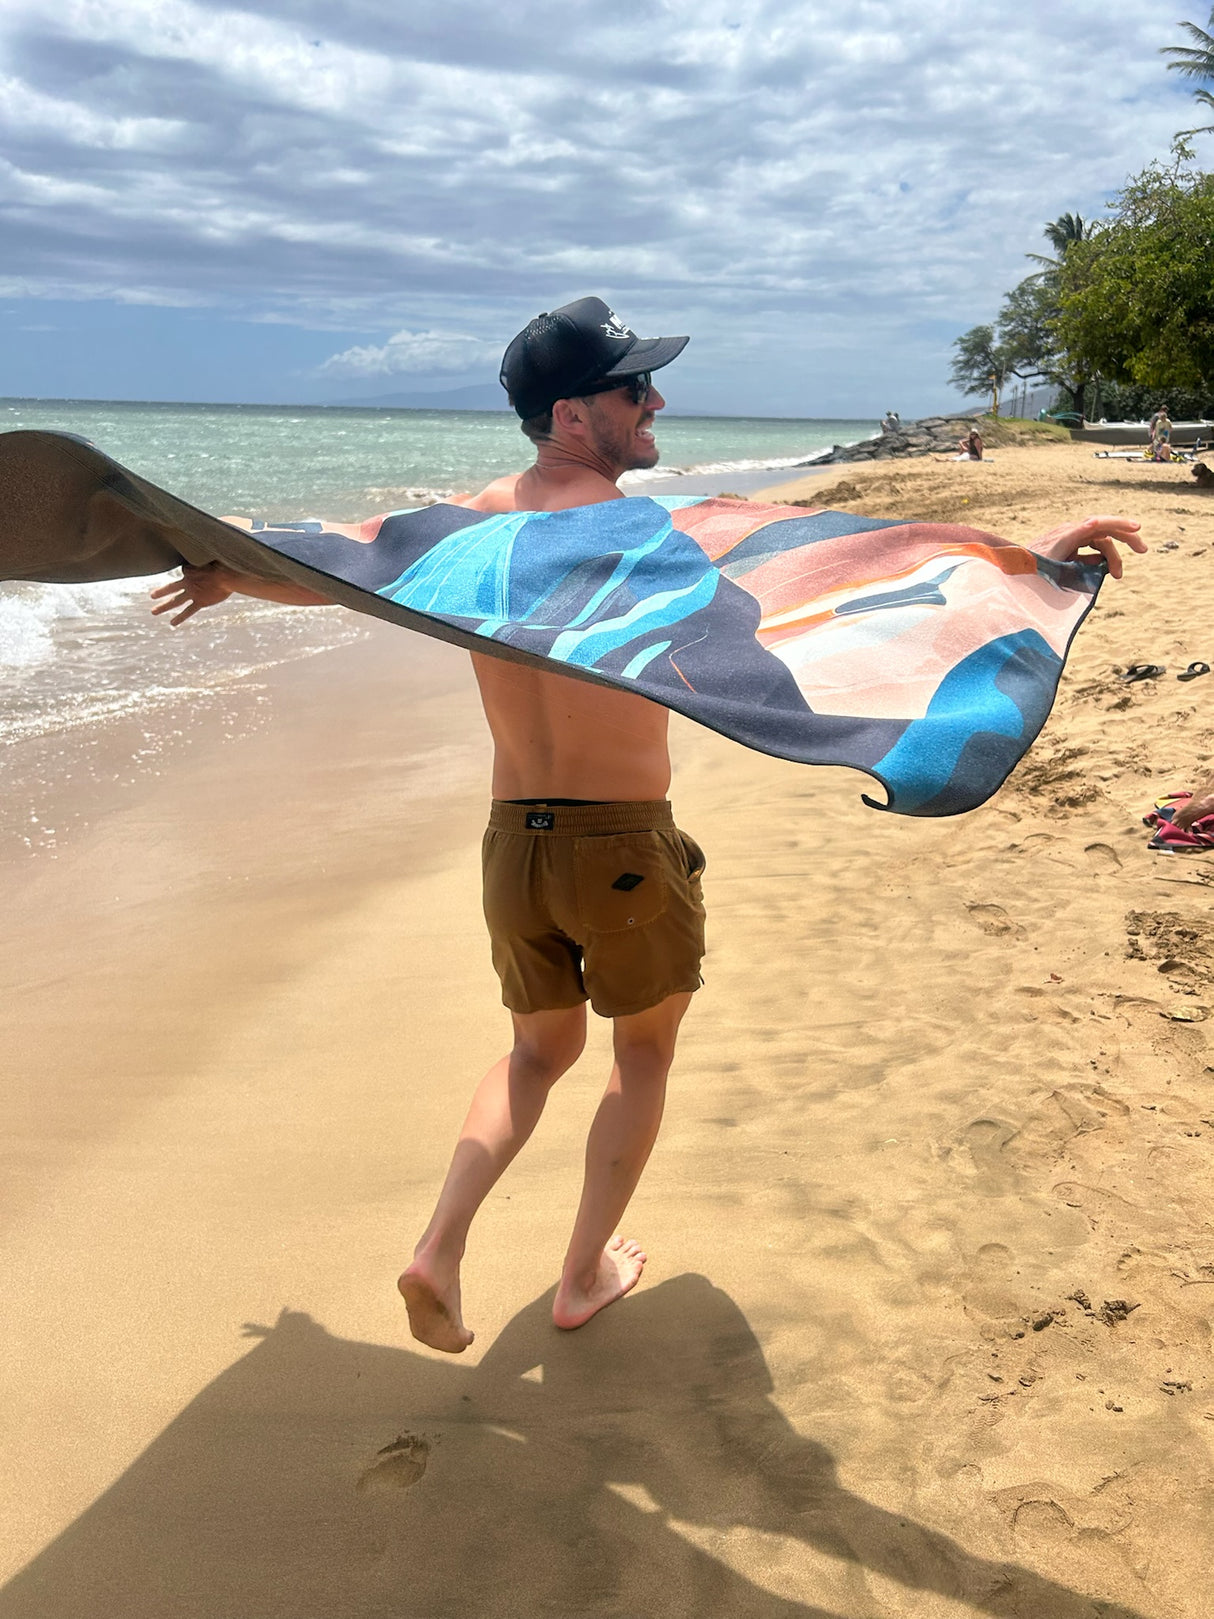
point(312, 202)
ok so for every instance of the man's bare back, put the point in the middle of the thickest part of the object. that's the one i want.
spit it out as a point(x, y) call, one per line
point(554, 736)
point(559, 738)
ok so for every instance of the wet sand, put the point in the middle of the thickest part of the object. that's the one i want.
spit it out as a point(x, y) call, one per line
point(926, 1325)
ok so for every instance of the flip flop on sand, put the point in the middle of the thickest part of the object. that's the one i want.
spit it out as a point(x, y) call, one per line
point(1143, 671)
point(1194, 669)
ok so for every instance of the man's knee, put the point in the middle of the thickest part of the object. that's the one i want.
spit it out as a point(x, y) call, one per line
point(645, 1043)
point(547, 1044)
point(642, 1060)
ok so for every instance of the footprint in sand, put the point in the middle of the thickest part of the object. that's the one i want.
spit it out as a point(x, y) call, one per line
point(398, 1466)
point(987, 1140)
point(1178, 1047)
point(988, 1287)
point(993, 919)
point(1102, 857)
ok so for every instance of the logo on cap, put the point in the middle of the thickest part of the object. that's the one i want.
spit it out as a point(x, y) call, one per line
point(614, 327)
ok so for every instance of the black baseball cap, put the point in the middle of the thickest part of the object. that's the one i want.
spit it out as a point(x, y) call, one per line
point(557, 355)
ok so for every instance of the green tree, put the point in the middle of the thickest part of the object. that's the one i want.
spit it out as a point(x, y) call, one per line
point(1025, 331)
point(1026, 328)
point(1195, 61)
point(1137, 295)
point(980, 364)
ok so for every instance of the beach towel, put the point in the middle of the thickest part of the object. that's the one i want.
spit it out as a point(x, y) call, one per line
point(924, 654)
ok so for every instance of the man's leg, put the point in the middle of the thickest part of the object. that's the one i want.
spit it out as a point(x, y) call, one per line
point(504, 1111)
point(601, 1266)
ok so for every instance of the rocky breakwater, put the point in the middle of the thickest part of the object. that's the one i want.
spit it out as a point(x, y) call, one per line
point(934, 435)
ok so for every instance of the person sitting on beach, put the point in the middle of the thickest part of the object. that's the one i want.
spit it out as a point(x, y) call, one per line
point(969, 448)
point(1161, 435)
point(891, 422)
point(591, 893)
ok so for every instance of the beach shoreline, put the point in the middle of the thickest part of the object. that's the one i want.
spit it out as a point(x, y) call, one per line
point(946, 1081)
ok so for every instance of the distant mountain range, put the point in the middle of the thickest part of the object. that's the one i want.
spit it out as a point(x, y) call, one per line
point(479, 396)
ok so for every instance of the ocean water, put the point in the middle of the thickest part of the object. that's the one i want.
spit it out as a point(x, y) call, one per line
point(75, 657)
point(259, 461)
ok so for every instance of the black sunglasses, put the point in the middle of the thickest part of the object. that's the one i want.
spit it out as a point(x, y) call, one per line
point(639, 387)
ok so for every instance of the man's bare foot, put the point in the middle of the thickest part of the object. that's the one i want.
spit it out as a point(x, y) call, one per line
point(619, 1272)
point(434, 1308)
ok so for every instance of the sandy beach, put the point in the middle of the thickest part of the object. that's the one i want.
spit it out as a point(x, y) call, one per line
point(926, 1326)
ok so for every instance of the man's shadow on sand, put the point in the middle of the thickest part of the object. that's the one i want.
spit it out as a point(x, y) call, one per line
point(322, 1478)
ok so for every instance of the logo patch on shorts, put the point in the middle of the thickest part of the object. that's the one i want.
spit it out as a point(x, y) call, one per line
point(627, 881)
point(540, 820)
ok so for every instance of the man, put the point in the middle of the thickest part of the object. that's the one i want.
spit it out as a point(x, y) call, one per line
point(590, 891)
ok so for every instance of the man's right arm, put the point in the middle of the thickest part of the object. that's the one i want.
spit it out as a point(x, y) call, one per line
point(207, 587)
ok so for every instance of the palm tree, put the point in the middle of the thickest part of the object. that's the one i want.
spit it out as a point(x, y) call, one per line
point(1060, 233)
point(1195, 61)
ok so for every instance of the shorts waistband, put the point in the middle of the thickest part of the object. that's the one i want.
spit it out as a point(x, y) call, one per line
point(581, 820)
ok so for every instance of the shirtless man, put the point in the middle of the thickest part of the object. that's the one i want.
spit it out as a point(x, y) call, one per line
point(590, 890)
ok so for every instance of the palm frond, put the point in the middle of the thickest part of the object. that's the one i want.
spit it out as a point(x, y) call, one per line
point(1194, 61)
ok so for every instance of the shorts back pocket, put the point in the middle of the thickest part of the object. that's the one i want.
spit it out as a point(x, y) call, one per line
point(621, 881)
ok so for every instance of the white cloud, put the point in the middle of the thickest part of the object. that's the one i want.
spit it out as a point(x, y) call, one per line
point(413, 353)
point(749, 167)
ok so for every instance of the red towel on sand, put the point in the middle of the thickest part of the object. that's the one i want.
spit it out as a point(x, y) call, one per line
point(1174, 839)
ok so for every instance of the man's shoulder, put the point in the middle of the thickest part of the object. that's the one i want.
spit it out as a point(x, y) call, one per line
point(517, 493)
point(499, 496)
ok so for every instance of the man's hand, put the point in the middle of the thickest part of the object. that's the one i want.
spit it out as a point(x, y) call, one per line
point(1201, 803)
point(1094, 534)
point(197, 588)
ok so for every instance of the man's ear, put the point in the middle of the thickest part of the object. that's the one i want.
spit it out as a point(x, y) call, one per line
point(570, 415)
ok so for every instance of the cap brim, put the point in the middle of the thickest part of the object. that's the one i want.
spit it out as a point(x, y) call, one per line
point(648, 354)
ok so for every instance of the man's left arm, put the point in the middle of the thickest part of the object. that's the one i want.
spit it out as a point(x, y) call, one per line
point(1076, 542)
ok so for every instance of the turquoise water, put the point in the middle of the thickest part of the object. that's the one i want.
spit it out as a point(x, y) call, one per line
point(256, 460)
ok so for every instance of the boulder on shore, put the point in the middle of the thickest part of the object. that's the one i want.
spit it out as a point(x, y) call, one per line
point(933, 435)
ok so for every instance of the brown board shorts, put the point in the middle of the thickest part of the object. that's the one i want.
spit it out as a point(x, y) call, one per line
point(592, 901)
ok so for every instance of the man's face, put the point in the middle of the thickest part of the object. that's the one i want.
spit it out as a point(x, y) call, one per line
point(621, 430)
